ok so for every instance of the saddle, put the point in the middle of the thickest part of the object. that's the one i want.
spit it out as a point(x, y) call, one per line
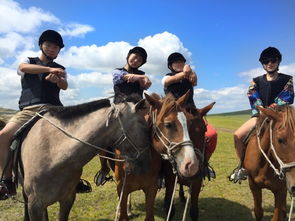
point(247, 137)
point(15, 147)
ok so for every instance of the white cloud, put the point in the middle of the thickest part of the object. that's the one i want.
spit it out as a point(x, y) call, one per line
point(96, 58)
point(76, 30)
point(159, 47)
point(112, 55)
point(286, 69)
point(11, 42)
point(9, 87)
point(16, 19)
point(92, 79)
point(227, 99)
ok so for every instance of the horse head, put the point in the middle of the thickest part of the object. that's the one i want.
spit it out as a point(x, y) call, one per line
point(197, 129)
point(170, 135)
point(282, 142)
point(134, 140)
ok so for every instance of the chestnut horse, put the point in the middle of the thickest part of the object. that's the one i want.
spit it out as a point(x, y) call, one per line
point(197, 129)
point(58, 146)
point(170, 139)
point(270, 159)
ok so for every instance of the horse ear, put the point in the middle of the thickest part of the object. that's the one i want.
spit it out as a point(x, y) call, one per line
point(182, 100)
point(140, 105)
point(152, 101)
point(268, 112)
point(203, 111)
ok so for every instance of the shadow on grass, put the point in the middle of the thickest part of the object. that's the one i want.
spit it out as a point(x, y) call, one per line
point(210, 209)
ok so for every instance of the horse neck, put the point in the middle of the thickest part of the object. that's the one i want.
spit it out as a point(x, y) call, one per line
point(92, 129)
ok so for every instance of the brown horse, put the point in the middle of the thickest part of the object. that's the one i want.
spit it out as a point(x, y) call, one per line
point(270, 159)
point(197, 129)
point(60, 144)
point(170, 138)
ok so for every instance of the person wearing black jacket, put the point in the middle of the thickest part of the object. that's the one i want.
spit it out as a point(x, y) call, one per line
point(41, 81)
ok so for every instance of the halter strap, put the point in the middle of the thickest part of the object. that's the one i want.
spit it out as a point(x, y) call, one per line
point(283, 166)
point(171, 147)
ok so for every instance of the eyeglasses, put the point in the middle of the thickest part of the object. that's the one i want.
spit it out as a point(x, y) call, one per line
point(267, 60)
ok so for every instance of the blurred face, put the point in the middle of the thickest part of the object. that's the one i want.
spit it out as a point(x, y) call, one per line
point(135, 60)
point(177, 66)
point(50, 49)
point(270, 64)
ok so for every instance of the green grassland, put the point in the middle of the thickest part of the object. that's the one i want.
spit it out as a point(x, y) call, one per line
point(220, 200)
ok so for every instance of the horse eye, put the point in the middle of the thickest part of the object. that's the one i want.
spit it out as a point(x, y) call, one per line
point(281, 140)
point(168, 124)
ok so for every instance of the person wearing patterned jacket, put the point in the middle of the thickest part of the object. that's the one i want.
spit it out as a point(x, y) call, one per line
point(268, 90)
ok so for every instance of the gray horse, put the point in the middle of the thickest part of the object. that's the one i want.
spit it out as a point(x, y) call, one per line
point(65, 139)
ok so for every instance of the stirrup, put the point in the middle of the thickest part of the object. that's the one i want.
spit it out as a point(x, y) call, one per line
point(238, 175)
point(209, 172)
point(83, 187)
point(101, 177)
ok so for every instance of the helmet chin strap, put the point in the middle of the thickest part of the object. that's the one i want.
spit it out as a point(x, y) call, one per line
point(49, 58)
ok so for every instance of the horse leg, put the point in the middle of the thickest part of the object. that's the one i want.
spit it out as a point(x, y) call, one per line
point(123, 216)
point(45, 215)
point(35, 209)
point(181, 193)
point(280, 205)
point(150, 195)
point(26, 212)
point(257, 196)
point(194, 192)
point(66, 206)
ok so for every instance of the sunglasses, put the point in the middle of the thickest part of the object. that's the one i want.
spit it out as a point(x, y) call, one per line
point(267, 60)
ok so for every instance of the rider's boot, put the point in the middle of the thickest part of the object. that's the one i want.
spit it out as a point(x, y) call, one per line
point(208, 171)
point(7, 189)
point(101, 176)
point(83, 187)
point(239, 173)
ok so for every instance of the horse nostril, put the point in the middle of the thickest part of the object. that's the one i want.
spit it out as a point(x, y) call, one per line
point(293, 190)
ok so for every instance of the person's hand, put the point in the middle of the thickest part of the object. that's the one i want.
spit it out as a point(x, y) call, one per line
point(53, 78)
point(193, 78)
point(57, 71)
point(273, 105)
point(187, 71)
point(145, 82)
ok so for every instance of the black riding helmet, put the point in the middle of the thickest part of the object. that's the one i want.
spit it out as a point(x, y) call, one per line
point(175, 57)
point(51, 36)
point(270, 52)
point(140, 51)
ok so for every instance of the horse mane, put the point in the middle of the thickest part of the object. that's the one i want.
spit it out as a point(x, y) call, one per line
point(288, 116)
point(78, 110)
point(287, 120)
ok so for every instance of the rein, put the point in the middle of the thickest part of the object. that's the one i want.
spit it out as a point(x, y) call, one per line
point(118, 142)
point(171, 147)
point(283, 166)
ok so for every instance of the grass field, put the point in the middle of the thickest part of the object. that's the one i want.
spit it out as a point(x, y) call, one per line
point(220, 200)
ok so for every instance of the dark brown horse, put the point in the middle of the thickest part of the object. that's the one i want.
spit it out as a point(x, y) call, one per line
point(270, 159)
point(170, 138)
point(197, 129)
point(65, 139)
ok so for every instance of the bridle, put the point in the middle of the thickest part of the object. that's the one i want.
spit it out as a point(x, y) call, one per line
point(282, 166)
point(171, 147)
point(124, 137)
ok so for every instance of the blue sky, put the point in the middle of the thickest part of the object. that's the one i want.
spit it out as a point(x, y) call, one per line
point(222, 40)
